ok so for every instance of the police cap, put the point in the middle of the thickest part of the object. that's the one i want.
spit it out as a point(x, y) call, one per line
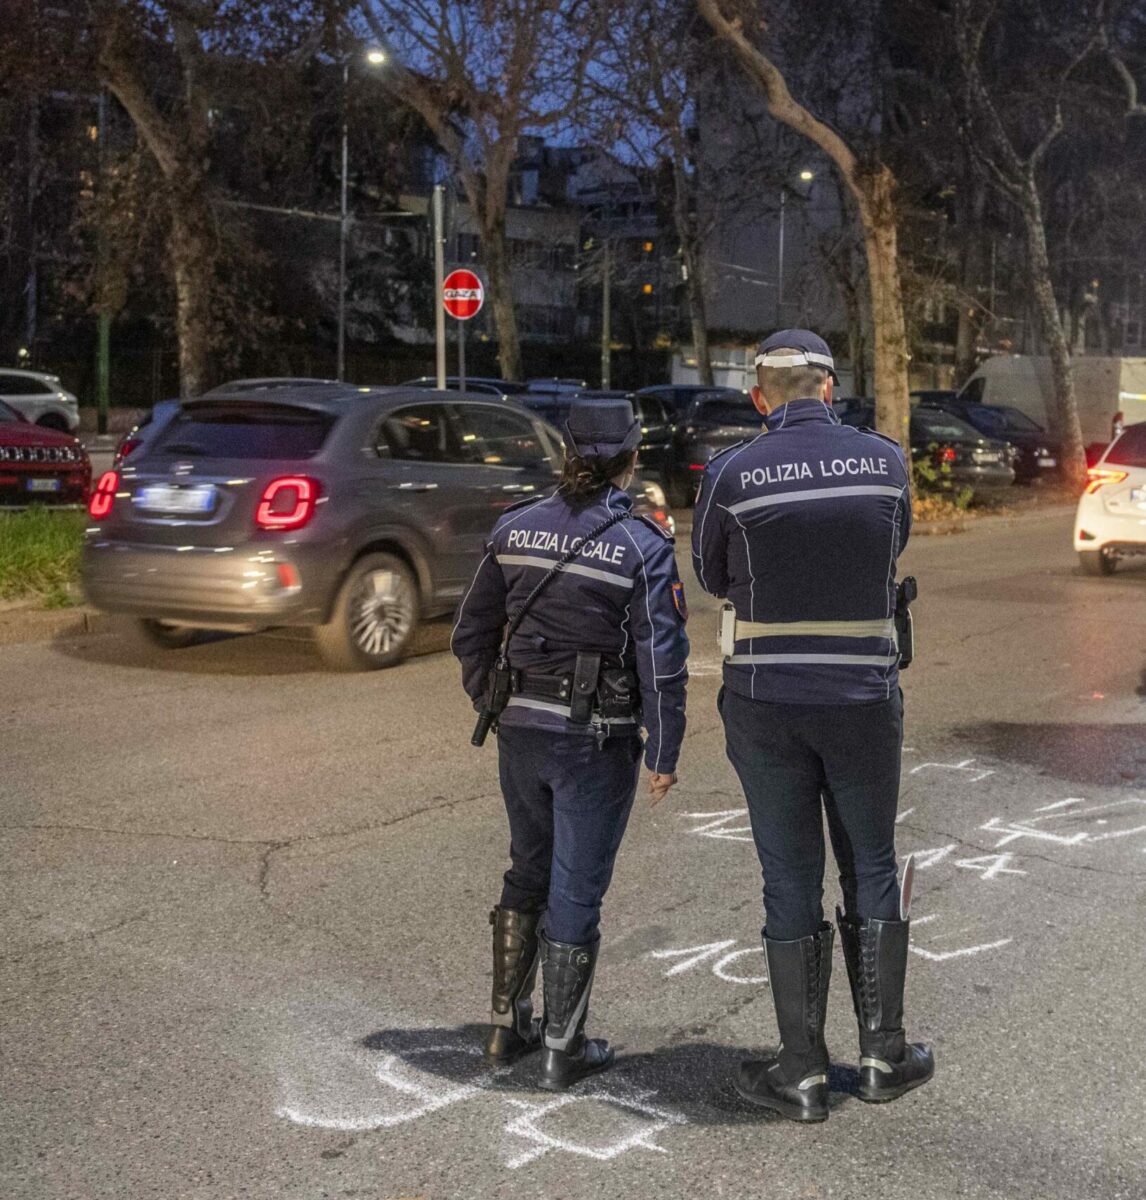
point(601, 428)
point(813, 351)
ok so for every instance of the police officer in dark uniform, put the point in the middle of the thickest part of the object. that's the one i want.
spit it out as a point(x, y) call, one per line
point(799, 529)
point(572, 638)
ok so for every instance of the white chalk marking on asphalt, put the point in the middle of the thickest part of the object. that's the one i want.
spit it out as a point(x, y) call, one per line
point(924, 920)
point(1086, 812)
point(977, 772)
point(652, 1121)
point(720, 969)
point(943, 956)
point(699, 954)
point(1106, 837)
point(1061, 804)
point(928, 858)
point(998, 865)
point(1012, 833)
point(717, 825)
point(904, 815)
point(427, 1099)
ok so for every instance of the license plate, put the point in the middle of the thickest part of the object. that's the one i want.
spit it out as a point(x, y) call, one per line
point(982, 457)
point(1048, 462)
point(1138, 495)
point(162, 497)
point(43, 485)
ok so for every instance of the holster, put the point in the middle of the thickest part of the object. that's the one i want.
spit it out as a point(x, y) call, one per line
point(904, 627)
point(585, 676)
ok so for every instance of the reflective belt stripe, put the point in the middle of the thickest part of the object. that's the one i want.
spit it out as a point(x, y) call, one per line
point(858, 629)
point(563, 710)
point(834, 493)
point(530, 560)
point(846, 660)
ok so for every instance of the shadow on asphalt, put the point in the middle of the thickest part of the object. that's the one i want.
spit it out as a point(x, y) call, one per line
point(694, 1078)
point(1092, 754)
point(273, 652)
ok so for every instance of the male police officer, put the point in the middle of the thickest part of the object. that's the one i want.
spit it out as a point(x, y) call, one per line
point(595, 648)
point(800, 529)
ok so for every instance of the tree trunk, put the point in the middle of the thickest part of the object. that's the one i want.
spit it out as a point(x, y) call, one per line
point(496, 256)
point(1064, 411)
point(875, 198)
point(692, 260)
point(191, 244)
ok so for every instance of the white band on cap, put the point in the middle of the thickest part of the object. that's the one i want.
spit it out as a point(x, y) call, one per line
point(807, 359)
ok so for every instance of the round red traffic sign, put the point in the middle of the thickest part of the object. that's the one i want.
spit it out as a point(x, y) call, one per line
point(462, 295)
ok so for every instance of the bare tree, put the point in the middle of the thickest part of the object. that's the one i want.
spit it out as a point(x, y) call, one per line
point(872, 185)
point(645, 79)
point(481, 75)
point(162, 63)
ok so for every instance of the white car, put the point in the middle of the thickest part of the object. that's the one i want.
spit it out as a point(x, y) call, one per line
point(1111, 520)
point(40, 399)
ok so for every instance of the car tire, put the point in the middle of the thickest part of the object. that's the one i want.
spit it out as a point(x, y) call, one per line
point(166, 635)
point(374, 617)
point(1096, 562)
point(53, 421)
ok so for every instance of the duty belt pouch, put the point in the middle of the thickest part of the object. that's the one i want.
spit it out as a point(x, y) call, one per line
point(585, 676)
point(618, 694)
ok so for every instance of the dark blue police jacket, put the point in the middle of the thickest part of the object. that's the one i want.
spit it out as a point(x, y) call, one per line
point(621, 596)
point(800, 529)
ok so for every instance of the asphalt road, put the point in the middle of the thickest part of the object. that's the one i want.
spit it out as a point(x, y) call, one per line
point(245, 946)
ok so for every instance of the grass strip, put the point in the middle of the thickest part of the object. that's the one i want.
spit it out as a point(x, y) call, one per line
point(40, 555)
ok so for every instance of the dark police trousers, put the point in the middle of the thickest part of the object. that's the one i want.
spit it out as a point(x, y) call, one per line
point(791, 758)
point(568, 802)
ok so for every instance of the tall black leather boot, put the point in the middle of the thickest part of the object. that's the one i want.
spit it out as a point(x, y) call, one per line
point(795, 1082)
point(515, 958)
point(876, 956)
point(567, 973)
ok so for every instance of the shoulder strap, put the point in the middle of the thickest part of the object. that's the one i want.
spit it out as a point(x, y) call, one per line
point(552, 574)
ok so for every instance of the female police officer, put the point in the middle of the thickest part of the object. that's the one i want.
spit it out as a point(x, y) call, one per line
point(595, 653)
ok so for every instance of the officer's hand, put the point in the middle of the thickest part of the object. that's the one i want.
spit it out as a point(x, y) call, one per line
point(659, 786)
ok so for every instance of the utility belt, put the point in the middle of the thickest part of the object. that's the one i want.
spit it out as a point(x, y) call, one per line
point(596, 690)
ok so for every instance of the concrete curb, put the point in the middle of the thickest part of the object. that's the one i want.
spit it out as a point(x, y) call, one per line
point(34, 625)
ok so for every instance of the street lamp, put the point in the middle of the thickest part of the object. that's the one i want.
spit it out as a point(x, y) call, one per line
point(376, 58)
point(806, 176)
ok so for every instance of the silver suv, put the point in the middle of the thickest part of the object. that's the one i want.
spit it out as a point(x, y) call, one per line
point(355, 512)
point(40, 398)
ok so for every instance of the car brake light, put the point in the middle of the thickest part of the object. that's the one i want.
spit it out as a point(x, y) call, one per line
point(104, 495)
point(945, 455)
point(696, 466)
point(127, 446)
point(287, 503)
point(1099, 476)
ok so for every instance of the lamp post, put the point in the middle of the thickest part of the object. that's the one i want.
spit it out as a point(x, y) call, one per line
point(376, 58)
point(806, 176)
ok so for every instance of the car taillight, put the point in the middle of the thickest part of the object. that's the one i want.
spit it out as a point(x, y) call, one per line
point(944, 455)
point(287, 503)
point(104, 495)
point(1100, 476)
point(127, 446)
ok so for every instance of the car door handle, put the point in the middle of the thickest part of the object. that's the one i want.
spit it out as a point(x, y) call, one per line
point(415, 487)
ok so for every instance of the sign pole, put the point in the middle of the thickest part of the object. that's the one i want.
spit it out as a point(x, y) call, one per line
point(461, 356)
point(439, 277)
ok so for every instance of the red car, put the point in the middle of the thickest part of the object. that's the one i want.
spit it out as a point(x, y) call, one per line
point(40, 464)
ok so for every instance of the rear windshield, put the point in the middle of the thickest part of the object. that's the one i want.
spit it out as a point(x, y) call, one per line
point(254, 430)
point(940, 425)
point(1130, 449)
point(731, 408)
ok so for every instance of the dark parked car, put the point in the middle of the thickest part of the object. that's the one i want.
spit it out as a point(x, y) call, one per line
point(714, 419)
point(355, 512)
point(270, 383)
point(1038, 453)
point(676, 397)
point(38, 464)
point(145, 429)
point(958, 454)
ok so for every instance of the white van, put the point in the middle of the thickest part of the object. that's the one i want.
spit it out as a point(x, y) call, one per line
point(1110, 392)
